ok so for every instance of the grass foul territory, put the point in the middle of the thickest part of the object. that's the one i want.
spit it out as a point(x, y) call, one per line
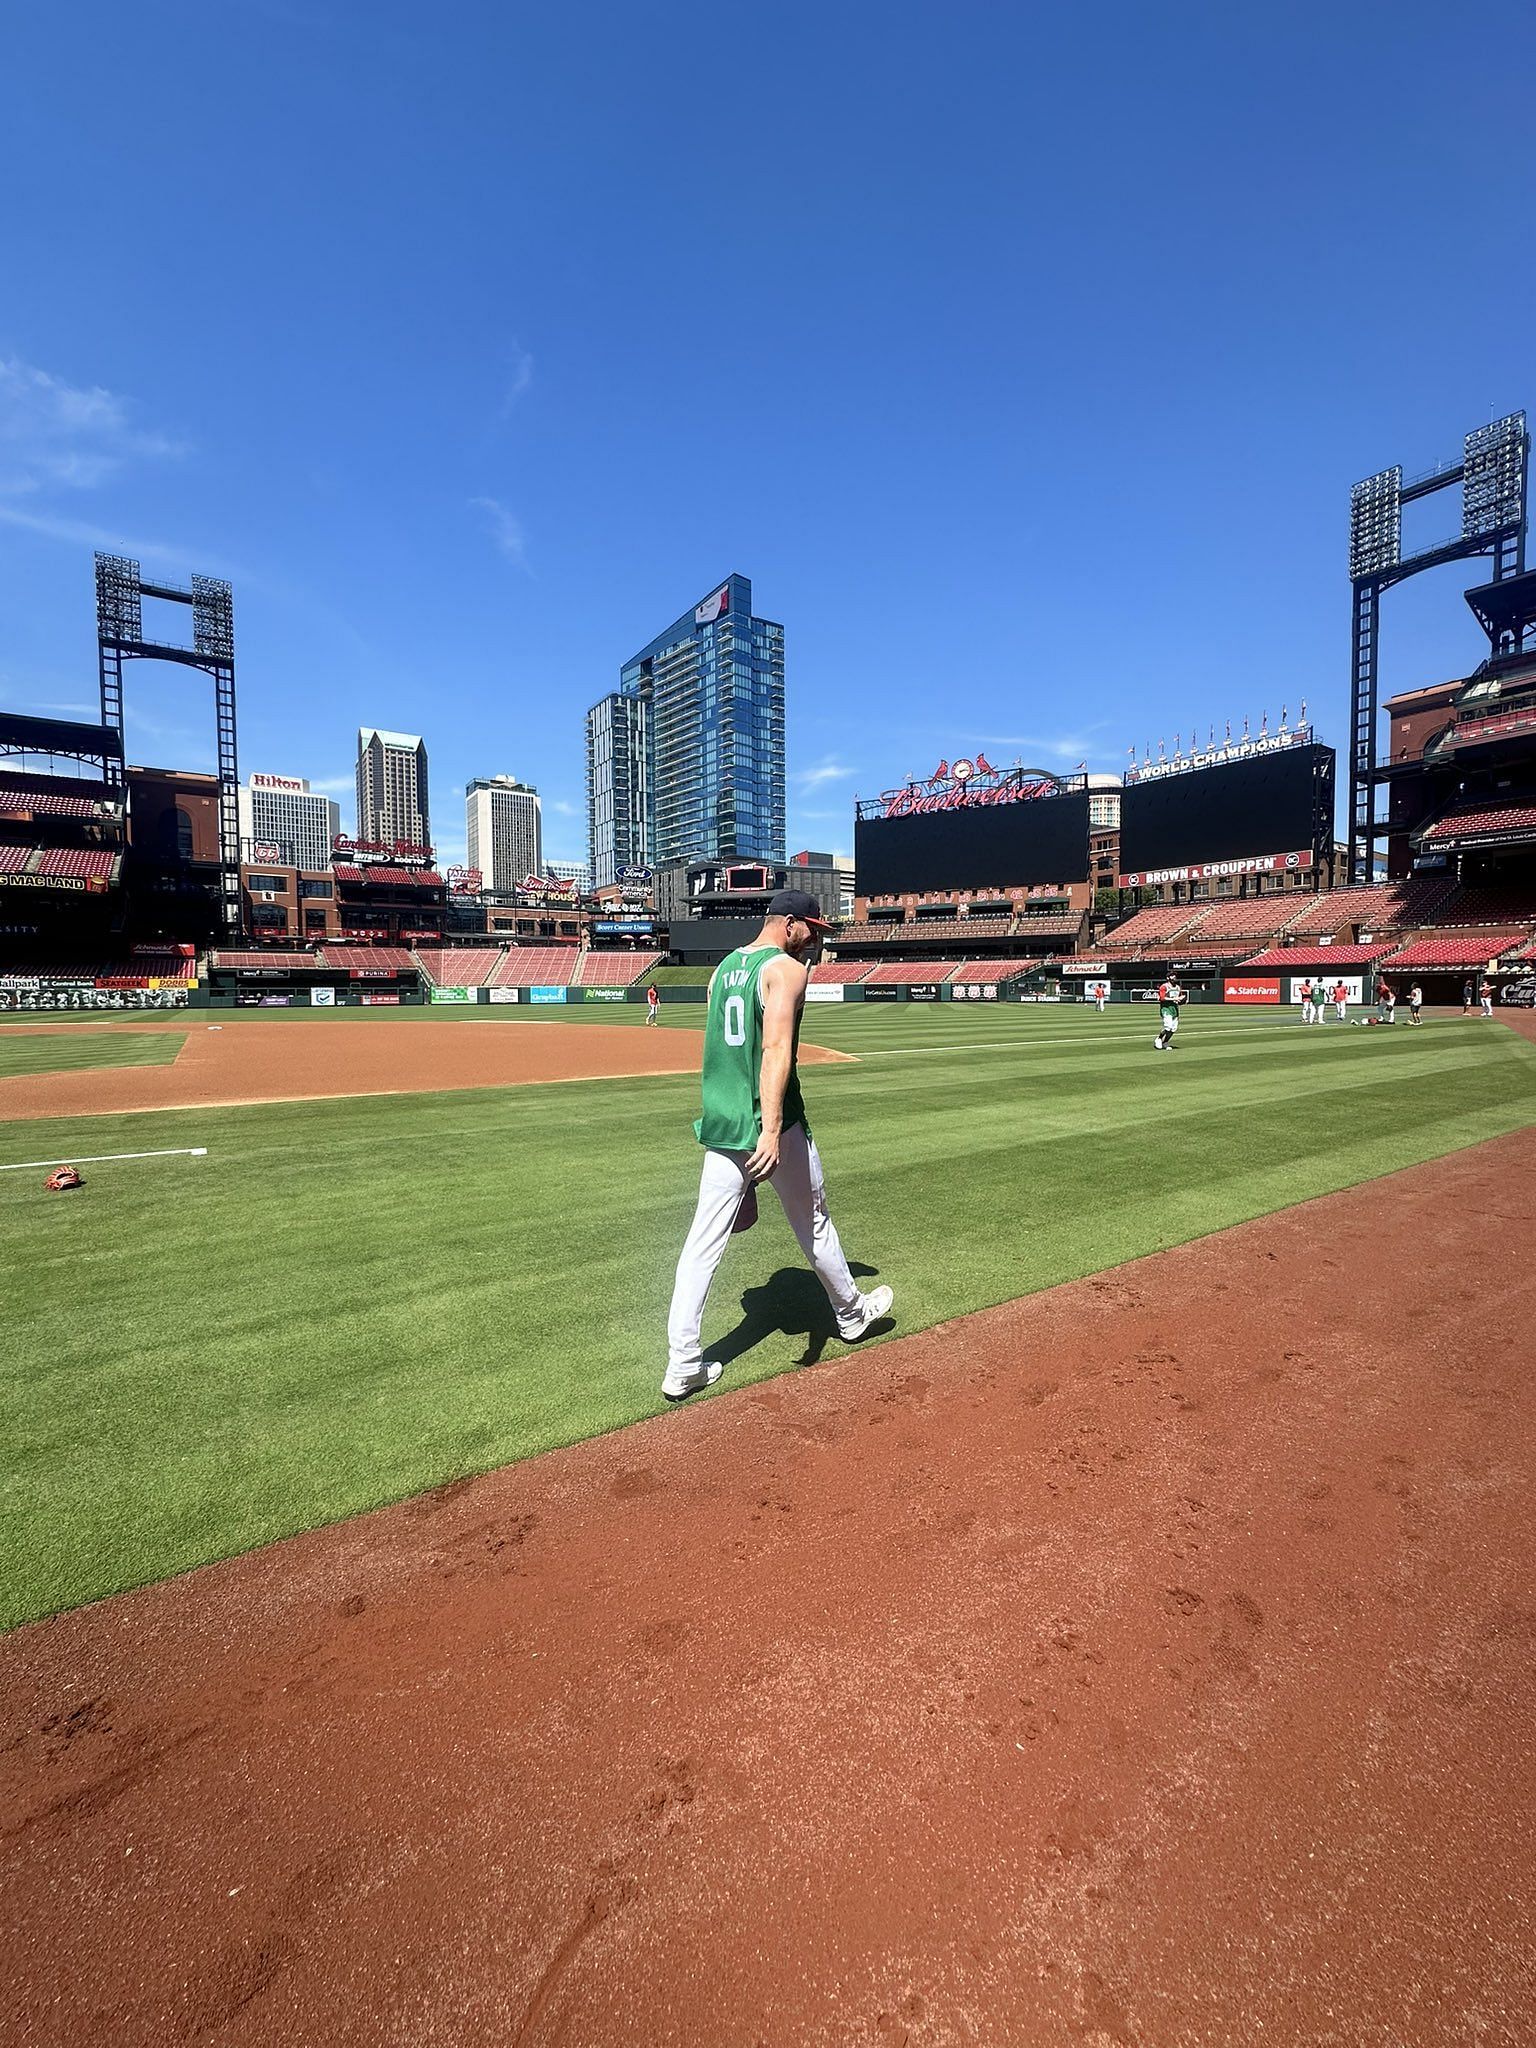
point(348, 1301)
point(67, 1051)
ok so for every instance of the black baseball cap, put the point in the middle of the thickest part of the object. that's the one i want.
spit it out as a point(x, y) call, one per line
point(799, 903)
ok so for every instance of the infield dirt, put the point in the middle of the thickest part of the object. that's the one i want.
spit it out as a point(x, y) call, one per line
point(246, 1060)
point(1146, 1664)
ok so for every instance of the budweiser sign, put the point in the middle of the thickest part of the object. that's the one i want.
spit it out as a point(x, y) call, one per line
point(964, 785)
point(392, 849)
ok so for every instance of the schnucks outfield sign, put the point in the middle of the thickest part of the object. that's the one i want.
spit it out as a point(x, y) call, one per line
point(1213, 870)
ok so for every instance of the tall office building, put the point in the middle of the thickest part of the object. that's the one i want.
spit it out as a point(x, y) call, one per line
point(685, 760)
point(504, 828)
point(283, 821)
point(618, 785)
point(392, 787)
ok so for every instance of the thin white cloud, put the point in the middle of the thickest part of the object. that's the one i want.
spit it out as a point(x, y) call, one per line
point(59, 436)
point(1062, 746)
point(332, 785)
point(562, 809)
point(80, 533)
point(519, 376)
point(507, 535)
point(823, 773)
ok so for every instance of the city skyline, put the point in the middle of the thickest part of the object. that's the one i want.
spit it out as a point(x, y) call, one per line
point(1064, 432)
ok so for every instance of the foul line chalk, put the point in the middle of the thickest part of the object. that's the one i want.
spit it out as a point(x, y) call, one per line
point(99, 1158)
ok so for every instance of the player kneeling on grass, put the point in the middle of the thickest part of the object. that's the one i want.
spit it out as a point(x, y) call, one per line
point(753, 1129)
point(1169, 997)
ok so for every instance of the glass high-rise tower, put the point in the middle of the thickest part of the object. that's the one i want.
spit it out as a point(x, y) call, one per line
point(685, 760)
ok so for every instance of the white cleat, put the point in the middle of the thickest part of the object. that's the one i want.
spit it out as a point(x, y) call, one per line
point(678, 1388)
point(872, 1308)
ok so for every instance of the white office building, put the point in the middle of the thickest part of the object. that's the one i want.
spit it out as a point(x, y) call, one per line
point(285, 824)
point(1104, 793)
point(570, 871)
point(504, 827)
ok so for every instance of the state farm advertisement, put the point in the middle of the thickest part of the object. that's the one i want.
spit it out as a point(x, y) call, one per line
point(1251, 988)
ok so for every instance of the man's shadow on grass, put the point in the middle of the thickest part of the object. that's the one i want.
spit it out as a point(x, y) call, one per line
point(790, 1302)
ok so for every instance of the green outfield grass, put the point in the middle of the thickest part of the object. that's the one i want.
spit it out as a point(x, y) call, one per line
point(56, 1052)
point(348, 1301)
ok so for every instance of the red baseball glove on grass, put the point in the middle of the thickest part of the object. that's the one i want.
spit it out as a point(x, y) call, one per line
point(64, 1177)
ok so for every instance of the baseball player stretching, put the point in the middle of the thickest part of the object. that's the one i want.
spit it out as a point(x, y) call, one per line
point(753, 1129)
point(1169, 997)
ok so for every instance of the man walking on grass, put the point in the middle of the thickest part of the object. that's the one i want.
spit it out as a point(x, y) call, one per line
point(753, 1129)
point(1169, 997)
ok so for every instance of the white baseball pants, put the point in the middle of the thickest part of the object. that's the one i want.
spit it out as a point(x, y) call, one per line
point(802, 1192)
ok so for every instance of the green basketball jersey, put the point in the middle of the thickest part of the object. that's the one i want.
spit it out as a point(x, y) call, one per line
point(733, 1056)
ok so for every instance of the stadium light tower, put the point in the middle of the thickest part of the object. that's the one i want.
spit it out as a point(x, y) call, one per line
point(1492, 474)
point(120, 594)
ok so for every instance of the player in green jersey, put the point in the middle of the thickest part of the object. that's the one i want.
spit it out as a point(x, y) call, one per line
point(753, 1129)
point(1169, 997)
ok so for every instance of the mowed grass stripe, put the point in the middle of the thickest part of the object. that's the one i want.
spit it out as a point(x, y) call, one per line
point(348, 1301)
point(58, 1052)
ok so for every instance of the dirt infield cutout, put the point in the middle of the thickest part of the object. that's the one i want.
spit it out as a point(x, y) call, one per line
point(239, 1060)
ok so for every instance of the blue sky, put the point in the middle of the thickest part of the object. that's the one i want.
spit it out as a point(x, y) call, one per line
point(1023, 358)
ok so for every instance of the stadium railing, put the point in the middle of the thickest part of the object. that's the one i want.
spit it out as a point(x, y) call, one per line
point(612, 970)
point(458, 966)
point(1471, 949)
point(297, 959)
point(388, 959)
point(993, 970)
point(1485, 903)
point(829, 972)
point(536, 967)
point(906, 973)
point(1473, 821)
point(1378, 906)
point(1149, 926)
